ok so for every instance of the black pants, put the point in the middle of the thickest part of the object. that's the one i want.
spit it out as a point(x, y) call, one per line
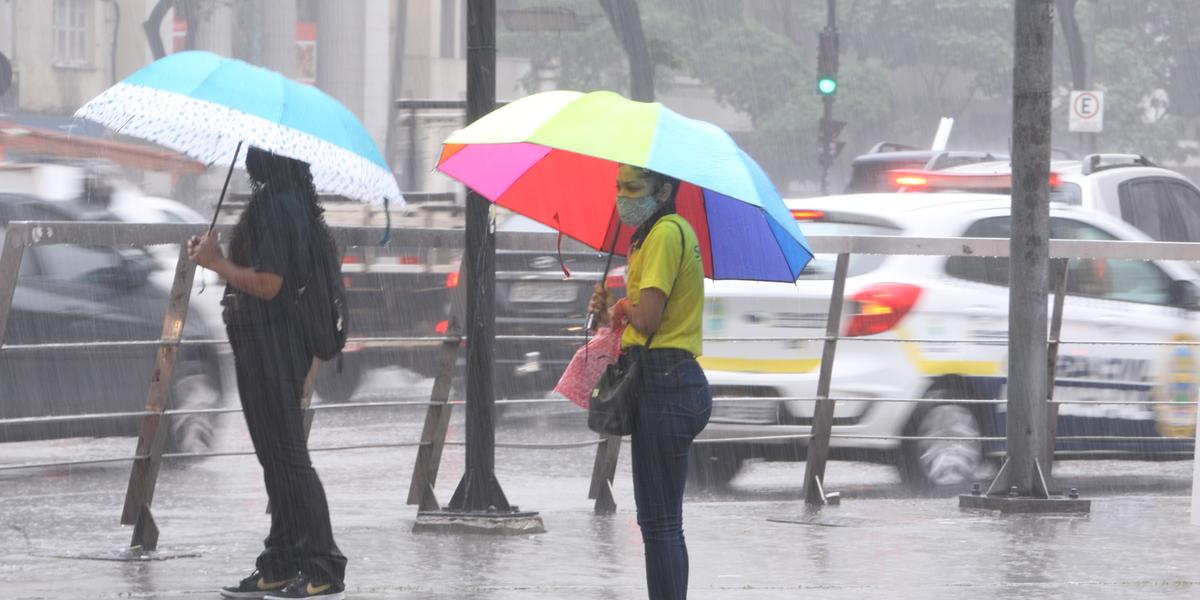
point(271, 366)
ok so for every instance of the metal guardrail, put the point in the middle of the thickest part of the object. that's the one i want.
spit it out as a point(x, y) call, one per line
point(21, 235)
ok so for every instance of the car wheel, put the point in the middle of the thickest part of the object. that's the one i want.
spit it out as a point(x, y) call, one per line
point(713, 466)
point(930, 463)
point(334, 387)
point(195, 388)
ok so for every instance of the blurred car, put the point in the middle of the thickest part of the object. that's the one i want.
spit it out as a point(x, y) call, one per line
point(871, 172)
point(1162, 203)
point(79, 293)
point(535, 297)
point(913, 299)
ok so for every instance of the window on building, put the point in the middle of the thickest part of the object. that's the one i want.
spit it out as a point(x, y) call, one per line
point(72, 20)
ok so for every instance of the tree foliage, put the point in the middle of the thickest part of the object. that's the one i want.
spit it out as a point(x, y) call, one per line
point(903, 64)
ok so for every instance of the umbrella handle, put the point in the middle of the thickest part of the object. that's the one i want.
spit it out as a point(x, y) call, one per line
point(220, 201)
point(236, 151)
point(592, 323)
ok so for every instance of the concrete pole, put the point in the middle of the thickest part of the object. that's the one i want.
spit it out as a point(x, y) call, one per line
point(1029, 246)
point(278, 29)
point(341, 53)
point(215, 30)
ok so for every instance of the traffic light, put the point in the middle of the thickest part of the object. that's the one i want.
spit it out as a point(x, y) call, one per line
point(827, 63)
point(830, 145)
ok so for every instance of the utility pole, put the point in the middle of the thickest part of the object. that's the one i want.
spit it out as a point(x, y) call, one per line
point(1029, 245)
point(479, 489)
point(1022, 485)
point(827, 84)
point(479, 504)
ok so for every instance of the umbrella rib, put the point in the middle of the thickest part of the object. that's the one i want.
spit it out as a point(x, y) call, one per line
point(708, 225)
point(778, 244)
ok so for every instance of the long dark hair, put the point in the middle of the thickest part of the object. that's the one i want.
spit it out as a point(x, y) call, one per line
point(664, 209)
point(274, 174)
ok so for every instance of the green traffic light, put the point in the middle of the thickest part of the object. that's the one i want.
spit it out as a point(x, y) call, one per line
point(827, 85)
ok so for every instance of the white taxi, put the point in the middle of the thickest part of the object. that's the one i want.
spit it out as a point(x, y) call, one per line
point(911, 301)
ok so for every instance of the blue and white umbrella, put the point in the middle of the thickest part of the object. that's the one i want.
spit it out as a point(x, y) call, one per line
point(204, 105)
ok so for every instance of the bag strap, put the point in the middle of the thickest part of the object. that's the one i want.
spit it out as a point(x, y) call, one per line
point(682, 257)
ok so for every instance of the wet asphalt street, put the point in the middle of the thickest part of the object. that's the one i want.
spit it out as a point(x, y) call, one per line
point(60, 526)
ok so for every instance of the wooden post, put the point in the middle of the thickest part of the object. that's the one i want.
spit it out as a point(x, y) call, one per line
point(822, 424)
point(144, 474)
point(10, 267)
point(433, 435)
point(604, 471)
point(1060, 293)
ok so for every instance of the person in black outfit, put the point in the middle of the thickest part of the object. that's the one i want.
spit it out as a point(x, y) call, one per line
point(269, 254)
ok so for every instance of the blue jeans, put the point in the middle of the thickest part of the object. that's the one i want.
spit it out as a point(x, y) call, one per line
point(675, 406)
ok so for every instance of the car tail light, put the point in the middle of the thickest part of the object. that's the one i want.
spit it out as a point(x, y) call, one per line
point(921, 180)
point(442, 326)
point(351, 259)
point(881, 307)
point(453, 279)
point(801, 214)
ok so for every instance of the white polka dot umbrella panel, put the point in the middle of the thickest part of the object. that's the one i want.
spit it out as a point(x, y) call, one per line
point(203, 105)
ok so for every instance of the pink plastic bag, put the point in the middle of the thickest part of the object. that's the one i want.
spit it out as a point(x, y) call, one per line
point(588, 365)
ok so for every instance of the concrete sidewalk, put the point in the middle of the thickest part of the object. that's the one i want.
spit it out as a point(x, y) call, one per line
point(58, 522)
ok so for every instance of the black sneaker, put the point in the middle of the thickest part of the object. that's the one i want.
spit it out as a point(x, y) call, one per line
point(304, 586)
point(255, 586)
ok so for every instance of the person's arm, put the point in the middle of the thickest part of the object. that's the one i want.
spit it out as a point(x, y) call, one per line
point(206, 252)
point(647, 314)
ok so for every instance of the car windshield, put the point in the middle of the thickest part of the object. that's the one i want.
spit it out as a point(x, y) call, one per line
point(822, 265)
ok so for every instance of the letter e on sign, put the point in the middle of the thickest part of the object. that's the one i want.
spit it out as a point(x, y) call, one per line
point(1087, 112)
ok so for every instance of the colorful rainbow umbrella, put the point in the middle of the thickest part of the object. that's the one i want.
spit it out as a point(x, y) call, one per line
point(553, 157)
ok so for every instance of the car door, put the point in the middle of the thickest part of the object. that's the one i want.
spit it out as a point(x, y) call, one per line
point(1111, 303)
point(73, 293)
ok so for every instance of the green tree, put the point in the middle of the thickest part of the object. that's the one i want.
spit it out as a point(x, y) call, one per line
point(1145, 59)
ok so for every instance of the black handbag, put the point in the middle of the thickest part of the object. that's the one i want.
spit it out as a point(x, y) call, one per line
point(613, 408)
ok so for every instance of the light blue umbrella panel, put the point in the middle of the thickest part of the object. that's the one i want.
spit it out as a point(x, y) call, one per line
point(203, 105)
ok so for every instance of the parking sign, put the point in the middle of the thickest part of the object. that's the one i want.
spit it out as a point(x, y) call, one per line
point(1087, 112)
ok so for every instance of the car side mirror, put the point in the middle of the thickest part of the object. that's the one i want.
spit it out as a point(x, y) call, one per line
point(1185, 294)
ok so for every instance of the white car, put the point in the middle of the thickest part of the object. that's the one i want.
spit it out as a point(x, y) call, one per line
point(1162, 203)
point(913, 299)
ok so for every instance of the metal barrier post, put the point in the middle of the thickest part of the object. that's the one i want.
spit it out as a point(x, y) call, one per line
point(604, 471)
point(10, 267)
point(433, 435)
point(822, 424)
point(144, 474)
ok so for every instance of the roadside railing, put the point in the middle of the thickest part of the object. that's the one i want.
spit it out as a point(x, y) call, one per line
point(149, 451)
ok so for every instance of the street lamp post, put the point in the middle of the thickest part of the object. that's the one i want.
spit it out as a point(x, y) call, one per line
point(479, 504)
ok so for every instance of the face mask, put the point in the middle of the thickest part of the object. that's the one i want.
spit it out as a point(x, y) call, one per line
point(635, 211)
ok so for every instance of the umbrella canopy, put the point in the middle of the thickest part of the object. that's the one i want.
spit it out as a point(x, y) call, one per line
point(554, 157)
point(203, 105)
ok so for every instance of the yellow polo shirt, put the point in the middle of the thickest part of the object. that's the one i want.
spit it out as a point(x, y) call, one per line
point(657, 264)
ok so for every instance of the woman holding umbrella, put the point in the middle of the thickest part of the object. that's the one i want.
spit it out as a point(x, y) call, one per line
point(269, 254)
point(664, 309)
point(699, 207)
